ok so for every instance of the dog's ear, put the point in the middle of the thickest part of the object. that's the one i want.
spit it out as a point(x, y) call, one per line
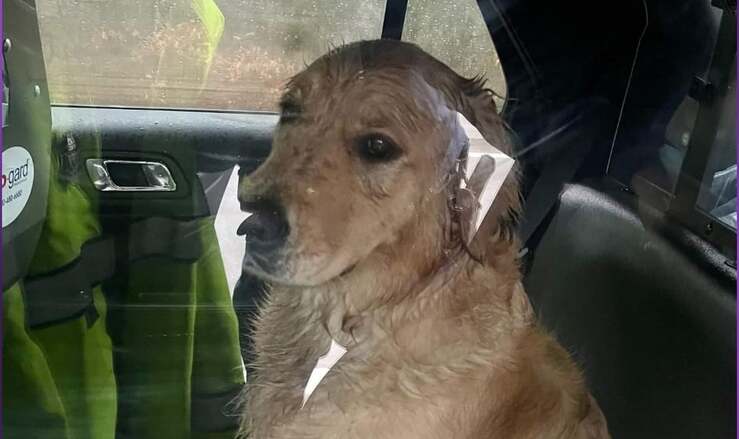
point(476, 102)
point(471, 98)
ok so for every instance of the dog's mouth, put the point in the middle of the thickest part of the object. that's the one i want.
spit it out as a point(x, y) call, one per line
point(348, 270)
point(266, 229)
point(261, 233)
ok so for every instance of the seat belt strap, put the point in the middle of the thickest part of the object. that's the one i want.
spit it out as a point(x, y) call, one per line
point(66, 293)
point(545, 193)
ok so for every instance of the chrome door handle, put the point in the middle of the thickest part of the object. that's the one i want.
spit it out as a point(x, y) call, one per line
point(157, 176)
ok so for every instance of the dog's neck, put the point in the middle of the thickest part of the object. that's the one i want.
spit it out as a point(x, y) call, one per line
point(395, 282)
point(416, 274)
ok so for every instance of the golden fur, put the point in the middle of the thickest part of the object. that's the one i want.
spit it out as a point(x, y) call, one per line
point(442, 341)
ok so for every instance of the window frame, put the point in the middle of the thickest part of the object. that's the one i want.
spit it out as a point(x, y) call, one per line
point(708, 91)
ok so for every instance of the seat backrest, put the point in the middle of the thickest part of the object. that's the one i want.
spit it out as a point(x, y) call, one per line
point(652, 326)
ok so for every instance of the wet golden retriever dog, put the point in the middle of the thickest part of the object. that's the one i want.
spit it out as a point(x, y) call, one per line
point(354, 229)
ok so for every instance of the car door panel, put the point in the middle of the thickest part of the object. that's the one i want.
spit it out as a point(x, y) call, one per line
point(199, 148)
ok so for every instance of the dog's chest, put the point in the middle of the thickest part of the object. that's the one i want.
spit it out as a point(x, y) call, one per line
point(357, 399)
point(336, 410)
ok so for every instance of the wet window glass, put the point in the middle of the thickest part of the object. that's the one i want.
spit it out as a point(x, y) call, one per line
point(262, 219)
point(455, 32)
point(228, 54)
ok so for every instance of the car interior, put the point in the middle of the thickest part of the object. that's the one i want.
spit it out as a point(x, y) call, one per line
point(117, 297)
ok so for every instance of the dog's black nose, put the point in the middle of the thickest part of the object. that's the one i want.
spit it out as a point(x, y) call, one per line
point(267, 228)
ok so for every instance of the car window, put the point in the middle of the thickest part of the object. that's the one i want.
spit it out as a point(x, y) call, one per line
point(231, 54)
point(215, 54)
point(455, 32)
point(682, 160)
point(143, 295)
point(652, 156)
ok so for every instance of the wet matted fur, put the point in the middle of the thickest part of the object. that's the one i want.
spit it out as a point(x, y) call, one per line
point(442, 341)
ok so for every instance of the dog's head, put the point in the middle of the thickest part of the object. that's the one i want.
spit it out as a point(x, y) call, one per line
point(361, 158)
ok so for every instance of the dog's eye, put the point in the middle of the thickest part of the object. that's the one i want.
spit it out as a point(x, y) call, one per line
point(289, 112)
point(377, 148)
point(290, 107)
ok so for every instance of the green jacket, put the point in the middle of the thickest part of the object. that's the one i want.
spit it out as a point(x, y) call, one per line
point(155, 354)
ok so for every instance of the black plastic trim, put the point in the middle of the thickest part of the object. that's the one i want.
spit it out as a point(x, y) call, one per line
point(392, 25)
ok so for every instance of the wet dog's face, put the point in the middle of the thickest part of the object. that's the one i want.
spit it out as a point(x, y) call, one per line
point(359, 158)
